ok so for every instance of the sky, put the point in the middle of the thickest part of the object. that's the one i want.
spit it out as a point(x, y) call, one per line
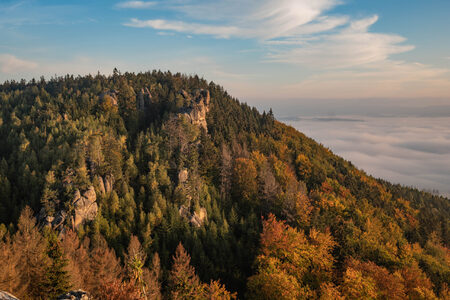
point(320, 64)
point(257, 49)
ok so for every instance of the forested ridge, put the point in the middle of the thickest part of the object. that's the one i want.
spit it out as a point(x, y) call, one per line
point(162, 186)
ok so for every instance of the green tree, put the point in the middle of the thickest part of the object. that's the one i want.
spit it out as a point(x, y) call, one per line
point(57, 280)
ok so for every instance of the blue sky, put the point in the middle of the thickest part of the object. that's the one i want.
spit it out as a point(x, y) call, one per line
point(257, 49)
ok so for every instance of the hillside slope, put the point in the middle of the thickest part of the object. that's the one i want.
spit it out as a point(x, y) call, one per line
point(169, 158)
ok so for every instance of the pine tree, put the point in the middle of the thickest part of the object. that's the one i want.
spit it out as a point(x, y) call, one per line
point(57, 280)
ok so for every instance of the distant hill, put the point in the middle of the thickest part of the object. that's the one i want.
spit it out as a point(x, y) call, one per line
point(140, 163)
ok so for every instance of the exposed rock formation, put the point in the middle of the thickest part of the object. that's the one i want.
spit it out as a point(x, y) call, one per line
point(106, 184)
point(197, 218)
point(112, 94)
point(75, 295)
point(85, 209)
point(196, 112)
point(85, 206)
point(183, 176)
point(144, 98)
point(56, 222)
point(7, 296)
point(101, 185)
point(184, 212)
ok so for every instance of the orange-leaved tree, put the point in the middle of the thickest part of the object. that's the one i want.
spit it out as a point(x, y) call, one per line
point(290, 265)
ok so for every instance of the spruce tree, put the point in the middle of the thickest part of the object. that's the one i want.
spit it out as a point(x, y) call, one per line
point(57, 280)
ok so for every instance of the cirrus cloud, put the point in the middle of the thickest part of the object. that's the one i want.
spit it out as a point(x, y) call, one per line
point(135, 4)
point(352, 46)
point(261, 19)
point(178, 26)
point(342, 55)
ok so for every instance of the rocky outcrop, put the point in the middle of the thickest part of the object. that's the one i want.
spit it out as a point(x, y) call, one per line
point(199, 107)
point(144, 99)
point(56, 222)
point(7, 296)
point(106, 184)
point(75, 295)
point(85, 206)
point(196, 219)
point(183, 176)
point(112, 94)
point(85, 209)
point(184, 212)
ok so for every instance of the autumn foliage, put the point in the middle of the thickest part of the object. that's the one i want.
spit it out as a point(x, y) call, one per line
point(289, 258)
point(292, 265)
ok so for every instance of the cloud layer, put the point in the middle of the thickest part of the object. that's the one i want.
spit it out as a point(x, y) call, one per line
point(413, 151)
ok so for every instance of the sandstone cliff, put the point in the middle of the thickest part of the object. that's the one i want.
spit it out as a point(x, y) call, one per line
point(199, 107)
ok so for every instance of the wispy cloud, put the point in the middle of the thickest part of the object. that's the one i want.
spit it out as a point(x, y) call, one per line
point(135, 4)
point(11, 64)
point(296, 31)
point(342, 55)
point(351, 46)
point(262, 19)
point(178, 26)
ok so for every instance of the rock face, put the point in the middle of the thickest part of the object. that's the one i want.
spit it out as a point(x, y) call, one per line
point(85, 206)
point(144, 98)
point(196, 112)
point(56, 222)
point(197, 218)
point(112, 94)
point(7, 296)
point(183, 176)
point(106, 184)
point(75, 295)
point(85, 209)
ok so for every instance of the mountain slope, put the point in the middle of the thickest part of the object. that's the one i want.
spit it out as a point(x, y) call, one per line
point(171, 159)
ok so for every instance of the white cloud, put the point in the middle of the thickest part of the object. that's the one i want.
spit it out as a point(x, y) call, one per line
point(12, 64)
point(262, 19)
point(352, 46)
point(178, 26)
point(136, 4)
